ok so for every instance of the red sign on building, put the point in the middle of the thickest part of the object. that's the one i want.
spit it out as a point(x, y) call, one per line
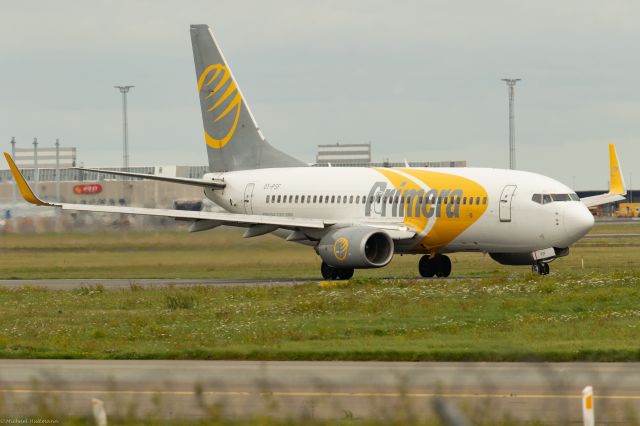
point(92, 188)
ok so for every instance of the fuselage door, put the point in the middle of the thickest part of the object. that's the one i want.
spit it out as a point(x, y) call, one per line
point(505, 203)
point(248, 198)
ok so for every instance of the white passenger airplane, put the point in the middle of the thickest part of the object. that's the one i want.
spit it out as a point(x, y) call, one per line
point(359, 217)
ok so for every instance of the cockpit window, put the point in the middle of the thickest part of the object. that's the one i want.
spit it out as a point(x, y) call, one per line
point(548, 198)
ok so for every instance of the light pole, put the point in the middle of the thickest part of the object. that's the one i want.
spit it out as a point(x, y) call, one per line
point(511, 83)
point(125, 131)
point(13, 155)
point(57, 171)
point(35, 162)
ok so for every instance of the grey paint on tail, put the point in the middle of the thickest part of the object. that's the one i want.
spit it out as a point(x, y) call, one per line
point(234, 141)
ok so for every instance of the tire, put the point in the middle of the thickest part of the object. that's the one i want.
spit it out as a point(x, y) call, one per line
point(328, 272)
point(444, 266)
point(535, 268)
point(427, 267)
point(345, 274)
point(546, 269)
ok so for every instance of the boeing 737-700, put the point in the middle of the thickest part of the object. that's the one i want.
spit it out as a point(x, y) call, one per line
point(356, 217)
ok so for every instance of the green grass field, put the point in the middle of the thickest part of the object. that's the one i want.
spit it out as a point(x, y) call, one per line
point(225, 254)
point(499, 313)
point(514, 317)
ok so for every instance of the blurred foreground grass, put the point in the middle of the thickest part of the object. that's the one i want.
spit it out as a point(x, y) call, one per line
point(511, 317)
point(224, 253)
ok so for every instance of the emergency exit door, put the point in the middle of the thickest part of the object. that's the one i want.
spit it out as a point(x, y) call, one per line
point(505, 203)
point(248, 198)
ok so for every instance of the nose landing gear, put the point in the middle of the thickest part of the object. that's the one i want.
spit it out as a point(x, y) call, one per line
point(541, 268)
point(439, 266)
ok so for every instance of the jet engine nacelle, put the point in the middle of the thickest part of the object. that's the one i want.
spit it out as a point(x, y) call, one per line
point(356, 247)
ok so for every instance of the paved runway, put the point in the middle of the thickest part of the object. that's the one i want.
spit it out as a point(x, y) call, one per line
point(178, 389)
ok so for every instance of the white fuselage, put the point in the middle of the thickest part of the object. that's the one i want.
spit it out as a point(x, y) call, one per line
point(451, 209)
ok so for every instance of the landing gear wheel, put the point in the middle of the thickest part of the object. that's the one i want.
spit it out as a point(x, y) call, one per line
point(444, 266)
point(328, 272)
point(331, 273)
point(345, 274)
point(540, 268)
point(427, 267)
point(439, 266)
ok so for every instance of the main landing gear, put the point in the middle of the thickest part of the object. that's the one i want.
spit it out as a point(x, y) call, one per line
point(439, 266)
point(331, 273)
point(541, 268)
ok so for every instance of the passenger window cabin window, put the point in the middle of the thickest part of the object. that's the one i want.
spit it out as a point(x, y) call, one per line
point(464, 200)
point(291, 198)
point(315, 198)
point(279, 197)
point(484, 200)
point(357, 199)
point(351, 199)
point(338, 200)
point(478, 200)
point(333, 199)
point(296, 199)
point(326, 199)
point(344, 199)
point(308, 199)
point(267, 199)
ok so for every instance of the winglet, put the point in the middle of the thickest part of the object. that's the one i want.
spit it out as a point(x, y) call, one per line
point(23, 186)
point(616, 180)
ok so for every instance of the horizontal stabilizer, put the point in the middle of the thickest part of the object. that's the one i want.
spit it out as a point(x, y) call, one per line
point(217, 184)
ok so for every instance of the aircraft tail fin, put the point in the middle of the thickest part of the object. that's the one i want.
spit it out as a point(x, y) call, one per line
point(234, 140)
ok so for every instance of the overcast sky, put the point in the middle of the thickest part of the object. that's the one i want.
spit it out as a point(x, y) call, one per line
point(418, 79)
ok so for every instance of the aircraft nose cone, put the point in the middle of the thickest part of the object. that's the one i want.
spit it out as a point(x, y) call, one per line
point(578, 221)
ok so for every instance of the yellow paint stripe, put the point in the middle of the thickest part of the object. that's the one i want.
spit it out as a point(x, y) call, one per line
point(225, 95)
point(23, 186)
point(218, 71)
point(206, 72)
point(616, 185)
point(235, 102)
point(315, 394)
point(222, 81)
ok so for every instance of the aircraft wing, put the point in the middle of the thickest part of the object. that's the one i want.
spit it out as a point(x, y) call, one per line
point(617, 188)
point(184, 181)
point(270, 223)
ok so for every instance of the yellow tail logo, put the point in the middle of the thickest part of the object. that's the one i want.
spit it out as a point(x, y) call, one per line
point(215, 77)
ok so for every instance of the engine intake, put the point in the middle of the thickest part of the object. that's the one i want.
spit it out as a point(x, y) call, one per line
point(356, 247)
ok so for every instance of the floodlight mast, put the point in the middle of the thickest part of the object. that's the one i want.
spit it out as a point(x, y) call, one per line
point(125, 127)
point(511, 83)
